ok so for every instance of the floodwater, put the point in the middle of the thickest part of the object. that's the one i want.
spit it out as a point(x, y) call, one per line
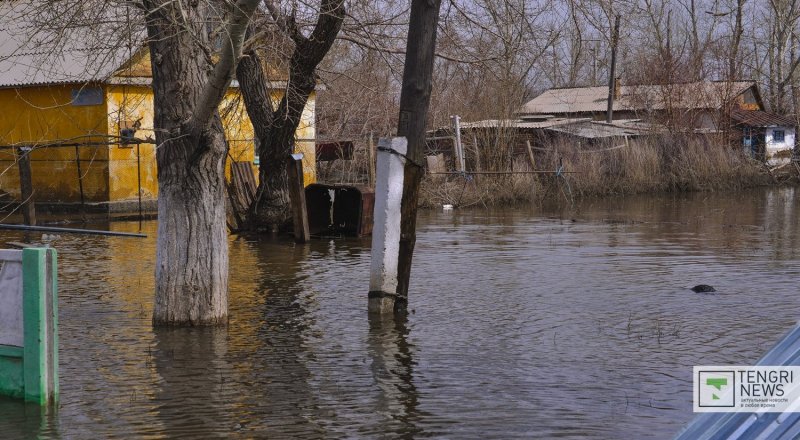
point(525, 323)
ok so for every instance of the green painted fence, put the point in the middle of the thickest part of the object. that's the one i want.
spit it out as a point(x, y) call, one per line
point(29, 325)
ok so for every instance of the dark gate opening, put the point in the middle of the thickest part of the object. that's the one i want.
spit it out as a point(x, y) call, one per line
point(340, 209)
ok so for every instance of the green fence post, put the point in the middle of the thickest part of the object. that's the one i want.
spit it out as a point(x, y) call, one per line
point(40, 310)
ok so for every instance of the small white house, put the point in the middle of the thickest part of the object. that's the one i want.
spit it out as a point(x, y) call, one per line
point(766, 136)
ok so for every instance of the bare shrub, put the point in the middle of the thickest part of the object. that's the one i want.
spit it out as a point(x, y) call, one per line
point(666, 163)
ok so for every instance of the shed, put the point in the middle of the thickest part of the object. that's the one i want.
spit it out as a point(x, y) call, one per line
point(700, 104)
point(592, 132)
point(76, 94)
point(766, 136)
point(481, 138)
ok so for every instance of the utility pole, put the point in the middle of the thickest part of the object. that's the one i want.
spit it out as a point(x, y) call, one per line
point(415, 98)
point(613, 70)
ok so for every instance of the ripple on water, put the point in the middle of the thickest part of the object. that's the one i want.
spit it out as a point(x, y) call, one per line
point(521, 325)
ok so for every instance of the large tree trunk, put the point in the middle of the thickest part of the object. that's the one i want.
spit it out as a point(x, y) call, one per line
point(258, 103)
point(192, 248)
point(272, 204)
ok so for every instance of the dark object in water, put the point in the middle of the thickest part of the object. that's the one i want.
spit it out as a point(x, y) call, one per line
point(703, 288)
point(337, 209)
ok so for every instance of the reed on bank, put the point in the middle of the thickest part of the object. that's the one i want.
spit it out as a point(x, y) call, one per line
point(668, 163)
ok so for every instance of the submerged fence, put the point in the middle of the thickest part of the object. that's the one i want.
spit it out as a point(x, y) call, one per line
point(29, 325)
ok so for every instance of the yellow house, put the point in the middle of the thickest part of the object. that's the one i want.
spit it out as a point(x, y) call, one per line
point(73, 111)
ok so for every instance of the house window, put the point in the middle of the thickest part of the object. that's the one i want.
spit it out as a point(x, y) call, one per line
point(778, 135)
point(747, 138)
point(87, 96)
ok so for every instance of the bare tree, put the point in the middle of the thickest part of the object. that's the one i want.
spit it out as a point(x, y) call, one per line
point(275, 127)
point(192, 248)
point(783, 16)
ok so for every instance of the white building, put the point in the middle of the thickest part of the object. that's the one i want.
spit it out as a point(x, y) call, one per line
point(766, 136)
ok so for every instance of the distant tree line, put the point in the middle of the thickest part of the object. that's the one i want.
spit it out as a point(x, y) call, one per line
point(496, 54)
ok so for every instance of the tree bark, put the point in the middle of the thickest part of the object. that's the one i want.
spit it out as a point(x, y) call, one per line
point(257, 101)
point(192, 247)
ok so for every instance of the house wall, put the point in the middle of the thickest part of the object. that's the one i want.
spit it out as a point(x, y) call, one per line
point(779, 152)
point(42, 115)
point(48, 114)
point(128, 103)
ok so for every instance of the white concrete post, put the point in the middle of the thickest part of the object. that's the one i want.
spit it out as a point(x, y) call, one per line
point(386, 230)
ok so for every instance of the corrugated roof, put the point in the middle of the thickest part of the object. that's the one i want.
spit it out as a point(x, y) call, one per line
point(755, 118)
point(599, 130)
point(511, 123)
point(45, 42)
point(764, 426)
point(707, 94)
point(514, 123)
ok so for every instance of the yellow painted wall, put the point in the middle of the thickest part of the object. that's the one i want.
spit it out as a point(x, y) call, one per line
point(38, 115)
point(239, 132)
point(129, 103)
point(41, 115)
point(306, 141)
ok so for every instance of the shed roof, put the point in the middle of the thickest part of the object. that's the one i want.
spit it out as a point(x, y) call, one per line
point(70, 42)
point(515, 123)
point(511, 123)
point(45, 42)
point(704, 94)
point(601, 130)
point(755, 118)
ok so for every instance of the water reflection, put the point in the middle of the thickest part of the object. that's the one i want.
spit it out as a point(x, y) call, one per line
point(281, 341)
point(194, 388)
point(23, 420)
point(392, 365)
point(523, 323)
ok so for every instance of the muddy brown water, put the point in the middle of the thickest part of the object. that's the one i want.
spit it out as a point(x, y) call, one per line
point(525, 323)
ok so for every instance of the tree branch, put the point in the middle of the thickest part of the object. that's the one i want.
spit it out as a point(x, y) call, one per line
point(370, 46)
point(220, 79)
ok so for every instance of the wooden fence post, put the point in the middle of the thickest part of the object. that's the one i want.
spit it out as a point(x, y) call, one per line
point(530, 155)
point(80, 179)
point(26, 186)
point(297, 197)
